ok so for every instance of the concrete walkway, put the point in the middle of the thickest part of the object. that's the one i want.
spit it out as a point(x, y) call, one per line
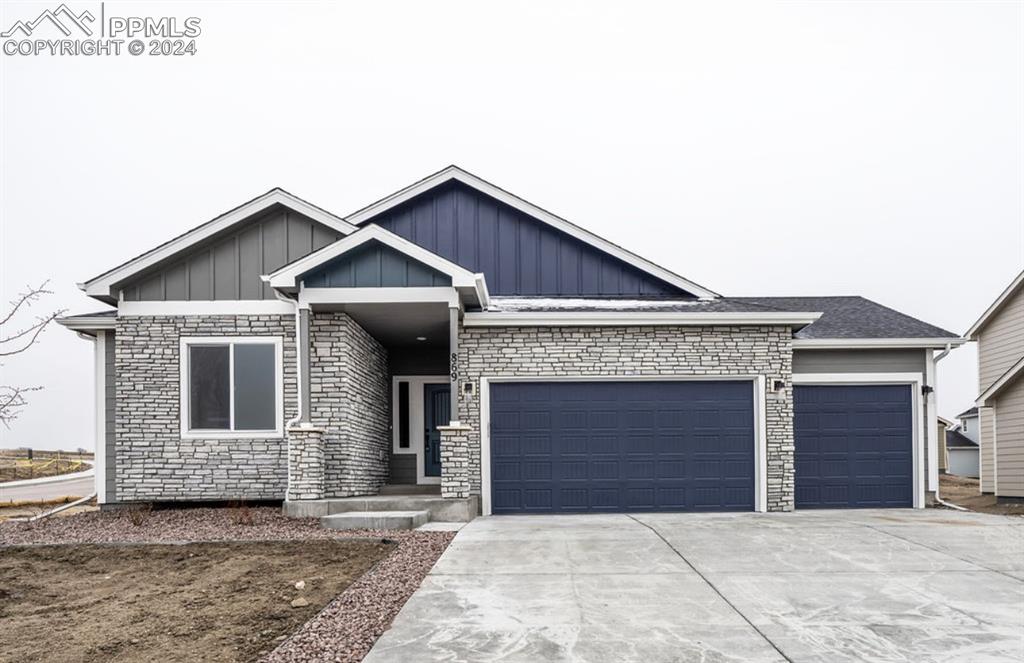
point(78, 485)
point(895, 585)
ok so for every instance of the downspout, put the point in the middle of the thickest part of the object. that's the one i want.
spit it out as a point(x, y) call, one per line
point(298, 361)
point(936, 360)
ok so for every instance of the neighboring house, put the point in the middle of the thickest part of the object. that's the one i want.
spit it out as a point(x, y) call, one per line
point(962, 453)
point(940, 429)
point(969, 424)
point(1000, 337)
point(454, 334)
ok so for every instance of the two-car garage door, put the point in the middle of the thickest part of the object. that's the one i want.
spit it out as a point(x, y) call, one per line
point(622, 446)
point(611, 446)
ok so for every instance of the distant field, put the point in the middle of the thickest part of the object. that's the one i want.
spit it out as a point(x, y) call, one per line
point(17, 464)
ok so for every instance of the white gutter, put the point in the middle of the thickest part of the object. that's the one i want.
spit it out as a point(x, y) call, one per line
point(630, 319)
point(942, 355)
point(875, 343)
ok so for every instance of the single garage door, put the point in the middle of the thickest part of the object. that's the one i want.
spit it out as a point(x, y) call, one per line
point(621, 446)
point(854, 446)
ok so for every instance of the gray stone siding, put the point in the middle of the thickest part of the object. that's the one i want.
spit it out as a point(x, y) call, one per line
point(456, 463)
point(154, 463)
point(305, 464)
point(631, 351)
point(349, 399)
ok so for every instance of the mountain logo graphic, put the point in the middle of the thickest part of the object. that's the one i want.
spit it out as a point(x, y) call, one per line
point(62, 18)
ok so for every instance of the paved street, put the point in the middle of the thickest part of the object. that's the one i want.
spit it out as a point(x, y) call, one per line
point(894, 585)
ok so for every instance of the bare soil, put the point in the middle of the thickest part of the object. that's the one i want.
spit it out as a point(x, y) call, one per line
point(228, 601)
point(965, 492)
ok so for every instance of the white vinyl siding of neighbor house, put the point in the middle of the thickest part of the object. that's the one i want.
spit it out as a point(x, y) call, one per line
point(1010, 440)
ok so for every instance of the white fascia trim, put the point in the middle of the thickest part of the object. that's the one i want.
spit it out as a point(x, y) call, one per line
point(875, 343)
point(760, 425)
point(972, 333)
point(631, 319)
point(314, 296)
point(998, 385)
point(101, 285)
point(914, 380)
point(289, 275)
point(88, 324)
point(235, 307)
point(470, 180)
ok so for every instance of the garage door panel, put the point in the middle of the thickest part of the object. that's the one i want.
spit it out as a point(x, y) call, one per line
point(854, 446)
point(627, 446)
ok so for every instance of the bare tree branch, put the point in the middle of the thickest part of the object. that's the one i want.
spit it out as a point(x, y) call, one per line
point(12, 398)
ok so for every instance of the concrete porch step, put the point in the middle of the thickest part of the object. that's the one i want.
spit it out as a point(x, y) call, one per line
point(375, 520)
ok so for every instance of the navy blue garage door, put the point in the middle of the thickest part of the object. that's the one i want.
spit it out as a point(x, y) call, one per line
point(622, 446)
point(854, 446)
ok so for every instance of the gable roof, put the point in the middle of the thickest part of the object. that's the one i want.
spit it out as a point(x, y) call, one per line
point(288, 277)
point(968, 413)
point(1002, 299)
point(100, 286)
point(1004, 380)
point(957, 440)
point(456, 174)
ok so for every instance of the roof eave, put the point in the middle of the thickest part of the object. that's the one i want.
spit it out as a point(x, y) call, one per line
point(972, 333)
point(875, 343)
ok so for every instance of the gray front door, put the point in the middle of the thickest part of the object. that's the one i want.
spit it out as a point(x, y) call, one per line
point(435, 413)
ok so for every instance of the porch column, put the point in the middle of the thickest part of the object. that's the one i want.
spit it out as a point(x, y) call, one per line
point(453, 365)
point(304, 349)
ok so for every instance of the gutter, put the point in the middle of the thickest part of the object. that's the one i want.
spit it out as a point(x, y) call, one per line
point(942, 355)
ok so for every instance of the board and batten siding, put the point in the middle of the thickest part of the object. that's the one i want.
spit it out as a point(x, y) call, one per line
point(375, 265)
point(229, 267)
point(518, 254)
point(1009, 411)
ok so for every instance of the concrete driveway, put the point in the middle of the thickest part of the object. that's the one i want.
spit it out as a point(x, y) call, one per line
point(894, 585)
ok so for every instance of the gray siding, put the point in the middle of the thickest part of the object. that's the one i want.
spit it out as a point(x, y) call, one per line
point(519, 255)
point(1009, 414)
point(374, 265)
point(1001, 341)
point(109, 409)
point(229, 266)
point(403, 468)
point(859, 361)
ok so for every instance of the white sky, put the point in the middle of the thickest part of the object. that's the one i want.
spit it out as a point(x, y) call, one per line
point(758, 149)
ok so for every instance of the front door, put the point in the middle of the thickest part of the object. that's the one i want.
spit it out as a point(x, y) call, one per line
point(435, 413)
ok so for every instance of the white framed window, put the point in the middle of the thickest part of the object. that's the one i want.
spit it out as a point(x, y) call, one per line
point(231, 386)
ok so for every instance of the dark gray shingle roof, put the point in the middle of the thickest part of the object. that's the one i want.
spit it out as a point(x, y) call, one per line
point(842, 317)
point(956, 439)
point(973, 412)
point(853, 317)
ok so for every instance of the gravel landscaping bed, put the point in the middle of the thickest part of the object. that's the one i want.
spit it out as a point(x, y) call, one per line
point(344, 630)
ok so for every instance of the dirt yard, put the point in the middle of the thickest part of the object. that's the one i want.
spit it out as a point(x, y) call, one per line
point(192, 602)
point(964, 492)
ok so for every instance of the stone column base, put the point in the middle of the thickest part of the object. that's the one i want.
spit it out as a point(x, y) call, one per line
point(455, 479)
point(305, 463)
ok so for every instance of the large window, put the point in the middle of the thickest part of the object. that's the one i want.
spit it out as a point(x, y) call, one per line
point(231, 387)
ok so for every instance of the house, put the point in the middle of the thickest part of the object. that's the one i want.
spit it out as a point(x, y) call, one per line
point(999, 333)
point(969, 423)
point(962, 454)
point(455, 336)
point(941, 427)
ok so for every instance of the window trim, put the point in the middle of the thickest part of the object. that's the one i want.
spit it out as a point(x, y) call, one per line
point(188, 433)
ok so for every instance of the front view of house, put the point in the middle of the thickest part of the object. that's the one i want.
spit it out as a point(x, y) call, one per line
point(455, 335)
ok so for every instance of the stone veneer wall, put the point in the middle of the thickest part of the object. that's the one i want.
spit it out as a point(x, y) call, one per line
point(153, 462)
point(630, 351)
point(349, 400)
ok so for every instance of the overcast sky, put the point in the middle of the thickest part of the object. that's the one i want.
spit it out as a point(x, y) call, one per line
point(757, 149)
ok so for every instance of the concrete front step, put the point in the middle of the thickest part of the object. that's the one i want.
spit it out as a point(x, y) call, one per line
point(439, 508)
point(375, 520)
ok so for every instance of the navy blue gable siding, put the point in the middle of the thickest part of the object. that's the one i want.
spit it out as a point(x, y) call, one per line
point(374, 265)
point(517, 254)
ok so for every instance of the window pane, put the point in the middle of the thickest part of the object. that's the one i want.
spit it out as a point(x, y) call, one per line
point(255, 402)
point(403, 415)
point(209, 394)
